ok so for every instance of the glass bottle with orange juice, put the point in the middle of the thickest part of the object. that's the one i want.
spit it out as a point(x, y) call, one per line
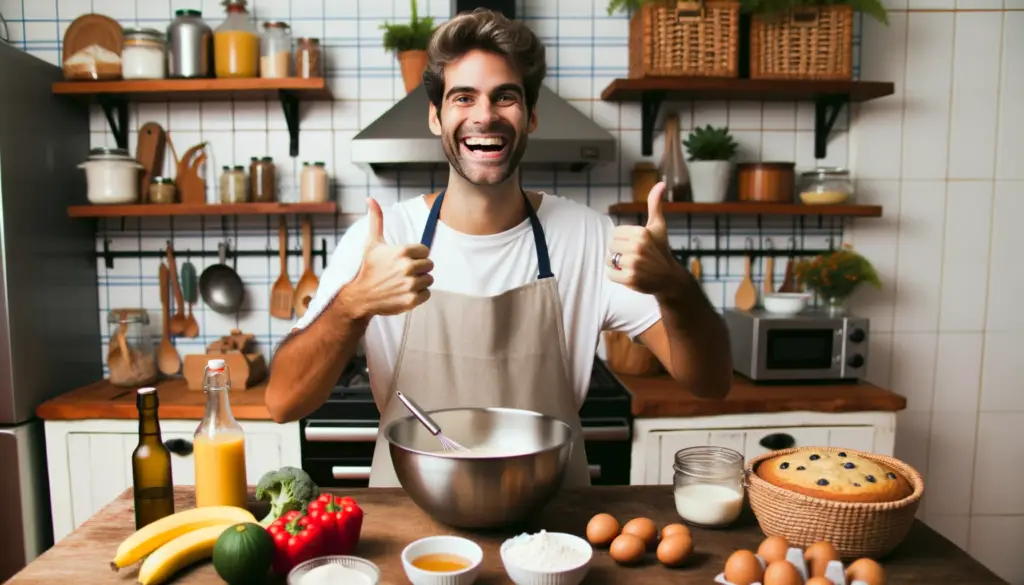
point(219, 445)
point(236, 43)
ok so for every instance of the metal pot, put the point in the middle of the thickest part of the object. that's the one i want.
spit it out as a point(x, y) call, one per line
point(221, 287)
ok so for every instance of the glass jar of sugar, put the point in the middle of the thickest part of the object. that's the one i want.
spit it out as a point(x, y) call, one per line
point(708, 485)
point(144, 54)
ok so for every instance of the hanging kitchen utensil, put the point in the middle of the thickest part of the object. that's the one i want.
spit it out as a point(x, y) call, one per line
point(178, 321)
point(282, 294)
point(306, 287)
point(746, 294)
point(695, 268)
point(189, 282)
point(789, 283)
point(167, 358)
point(769, 269)
point(150, 154)
point(220, 285)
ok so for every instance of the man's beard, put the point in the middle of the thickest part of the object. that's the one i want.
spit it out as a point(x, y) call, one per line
point(453, 152)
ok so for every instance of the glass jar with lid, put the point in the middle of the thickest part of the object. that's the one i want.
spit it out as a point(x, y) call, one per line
point(262, 179)
point(143, 54)
point(308, 58)
point(233, 187)
point(131, 356)
point(313, 183)
point(236, 43)
point(162, 190)
point(276, 50)
point(708, 485)
point(825, 186)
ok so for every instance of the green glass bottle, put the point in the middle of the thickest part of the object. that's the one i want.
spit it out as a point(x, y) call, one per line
point(151, 465)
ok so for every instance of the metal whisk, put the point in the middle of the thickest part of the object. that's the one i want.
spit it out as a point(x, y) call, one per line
point(447, 444)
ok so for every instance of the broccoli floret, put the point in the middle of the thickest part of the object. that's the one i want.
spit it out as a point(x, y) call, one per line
point(288, 488)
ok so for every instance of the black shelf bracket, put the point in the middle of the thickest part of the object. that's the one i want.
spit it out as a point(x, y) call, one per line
point(650, 104)
point(115, 108)
point(109, 255)
point(290, 105)
point(826, 111)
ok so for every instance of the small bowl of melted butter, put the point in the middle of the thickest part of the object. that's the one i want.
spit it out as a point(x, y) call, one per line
point(442, 560)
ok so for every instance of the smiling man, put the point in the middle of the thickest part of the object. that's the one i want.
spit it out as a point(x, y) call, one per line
point(485, 294)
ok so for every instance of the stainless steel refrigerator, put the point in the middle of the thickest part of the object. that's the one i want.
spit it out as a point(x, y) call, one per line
point(50, 338)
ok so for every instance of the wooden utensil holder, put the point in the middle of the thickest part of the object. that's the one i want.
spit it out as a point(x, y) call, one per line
point(245, 366)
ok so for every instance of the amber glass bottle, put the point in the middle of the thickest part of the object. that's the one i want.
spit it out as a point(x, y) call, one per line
point(151, 465)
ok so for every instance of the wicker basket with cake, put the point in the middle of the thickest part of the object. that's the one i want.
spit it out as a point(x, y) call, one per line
point(863, 503)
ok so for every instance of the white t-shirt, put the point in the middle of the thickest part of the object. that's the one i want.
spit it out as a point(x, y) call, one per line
point(577, 239)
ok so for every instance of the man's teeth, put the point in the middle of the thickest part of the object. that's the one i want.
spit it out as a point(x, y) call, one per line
point(485, 141)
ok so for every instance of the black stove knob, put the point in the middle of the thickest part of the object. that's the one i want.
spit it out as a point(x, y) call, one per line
point(857, 335)
point(855, 361)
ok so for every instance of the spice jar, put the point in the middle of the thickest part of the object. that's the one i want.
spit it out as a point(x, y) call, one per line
point(131, 357)
point(308, 58)
point(233, 188)
point(275, 50)
point(825, 186)
point(262, 179)
point(313, 183)
point(162, 190)
point(708, 485)
point(143, 54)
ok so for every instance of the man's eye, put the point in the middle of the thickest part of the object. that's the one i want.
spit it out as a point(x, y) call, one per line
point(506, 97)
point(462, 99)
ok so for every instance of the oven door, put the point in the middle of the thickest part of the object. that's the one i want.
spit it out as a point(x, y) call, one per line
point(795, 350)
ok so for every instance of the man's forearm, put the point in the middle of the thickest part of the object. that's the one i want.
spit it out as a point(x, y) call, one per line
point(308, 363)
point(698, 338)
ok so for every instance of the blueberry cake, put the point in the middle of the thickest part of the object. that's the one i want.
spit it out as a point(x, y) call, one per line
point(835, 475)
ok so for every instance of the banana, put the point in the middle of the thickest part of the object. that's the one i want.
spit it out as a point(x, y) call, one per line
point(179, 553)
point(150, 537)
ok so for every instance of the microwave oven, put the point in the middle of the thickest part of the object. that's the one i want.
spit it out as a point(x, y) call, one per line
point(810, 345)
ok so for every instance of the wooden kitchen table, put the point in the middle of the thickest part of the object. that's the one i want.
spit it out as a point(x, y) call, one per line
point(392, 521)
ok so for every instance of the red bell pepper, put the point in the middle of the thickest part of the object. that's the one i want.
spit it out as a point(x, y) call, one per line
point(350, 524)
point(323, 513)
point(341, 519)
point(296, 539)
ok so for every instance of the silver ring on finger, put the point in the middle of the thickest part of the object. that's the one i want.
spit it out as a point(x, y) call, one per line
point(615, 260)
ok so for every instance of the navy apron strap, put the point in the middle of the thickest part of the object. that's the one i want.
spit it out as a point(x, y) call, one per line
point(543, 258)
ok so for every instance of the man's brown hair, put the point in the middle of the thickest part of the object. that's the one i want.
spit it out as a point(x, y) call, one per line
point(490, 31)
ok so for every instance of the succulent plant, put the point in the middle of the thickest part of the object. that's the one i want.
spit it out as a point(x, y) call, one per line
point(710, 143)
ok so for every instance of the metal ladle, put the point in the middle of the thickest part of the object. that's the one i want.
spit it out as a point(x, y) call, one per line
point(220, 285)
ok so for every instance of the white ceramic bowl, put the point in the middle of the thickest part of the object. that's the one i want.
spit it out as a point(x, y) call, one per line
point(571, 576)
point(785, 303)
point(453, 545)
point(363, 566)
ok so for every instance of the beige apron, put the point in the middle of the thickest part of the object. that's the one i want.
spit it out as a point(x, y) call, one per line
point(504, 351)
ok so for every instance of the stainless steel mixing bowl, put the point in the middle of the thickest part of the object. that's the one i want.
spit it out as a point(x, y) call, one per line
point(488, 489)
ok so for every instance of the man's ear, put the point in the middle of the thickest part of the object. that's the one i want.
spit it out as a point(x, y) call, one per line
point(533, 120)
point(433, 120)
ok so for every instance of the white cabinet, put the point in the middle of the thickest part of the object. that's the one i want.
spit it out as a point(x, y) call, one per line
point(89, 461)
point(656, 440)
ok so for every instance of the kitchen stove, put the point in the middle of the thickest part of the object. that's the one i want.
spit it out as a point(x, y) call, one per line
point(338, 438)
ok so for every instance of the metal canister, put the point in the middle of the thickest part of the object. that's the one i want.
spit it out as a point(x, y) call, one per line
point(189, 45)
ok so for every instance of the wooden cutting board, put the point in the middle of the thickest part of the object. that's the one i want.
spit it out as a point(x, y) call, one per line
point(150, 154)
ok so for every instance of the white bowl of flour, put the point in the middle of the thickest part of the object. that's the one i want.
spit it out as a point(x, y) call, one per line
point(546, 558)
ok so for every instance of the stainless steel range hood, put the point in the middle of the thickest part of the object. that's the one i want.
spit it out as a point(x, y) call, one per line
point(400, 139)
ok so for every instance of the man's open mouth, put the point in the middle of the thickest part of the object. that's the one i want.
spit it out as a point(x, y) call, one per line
point(485, 147)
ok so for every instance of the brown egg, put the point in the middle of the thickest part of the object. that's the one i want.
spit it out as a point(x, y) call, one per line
point(675, 549)
point(671, 529)
point(743, 568)
point(818, 556)
point(773, 549)
point(782, 573)
point(866, 570)
point(642, 528)
point(602, 529)
point(818, 581)
point(626, 549)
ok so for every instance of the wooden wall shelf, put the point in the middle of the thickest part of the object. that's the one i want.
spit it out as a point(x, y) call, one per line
point(211, 209)
point(829, 97)
point(740, 208)
point(114, 96)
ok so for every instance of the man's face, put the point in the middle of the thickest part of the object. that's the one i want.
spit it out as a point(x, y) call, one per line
point(483, 122)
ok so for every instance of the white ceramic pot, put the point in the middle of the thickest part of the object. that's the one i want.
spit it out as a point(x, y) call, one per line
point(111, 176)
point(709, 180)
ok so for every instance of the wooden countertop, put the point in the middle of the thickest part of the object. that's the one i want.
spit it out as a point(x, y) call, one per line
point(104, 400)
point(392, 521)
point(661, 397)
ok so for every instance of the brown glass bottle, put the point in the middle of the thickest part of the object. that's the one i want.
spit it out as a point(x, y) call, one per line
point(151, 465)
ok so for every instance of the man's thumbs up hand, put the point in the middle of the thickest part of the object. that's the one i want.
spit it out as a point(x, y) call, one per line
point(639, 256)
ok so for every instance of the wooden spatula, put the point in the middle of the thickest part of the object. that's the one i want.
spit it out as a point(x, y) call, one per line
point(769, 275)
point(789, 284)
point(179, 322)
point(746, 294)
point(695, 268)
point(167, 358)
point(282, 294)
point(306, 287)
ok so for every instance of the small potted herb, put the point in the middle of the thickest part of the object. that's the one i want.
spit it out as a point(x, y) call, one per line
point(835, 275)
point(709, 161)
point(409, 43)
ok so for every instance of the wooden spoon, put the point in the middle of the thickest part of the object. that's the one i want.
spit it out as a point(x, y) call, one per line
point(189, 282)
point(746, 294)
point(179, 322)
point(282, 295)
point(769, 275)
point(695, 268)
point(789, 284)
point(307, 285)
point(167, 358)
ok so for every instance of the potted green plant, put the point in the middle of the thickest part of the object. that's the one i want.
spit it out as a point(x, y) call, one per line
point(709, 161)
point(409, 43)
point(835, 275)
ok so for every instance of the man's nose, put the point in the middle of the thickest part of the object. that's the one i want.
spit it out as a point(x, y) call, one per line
point(484, 112)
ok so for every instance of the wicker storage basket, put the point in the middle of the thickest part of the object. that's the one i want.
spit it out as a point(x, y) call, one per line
point(815, 43)
point(855, 529)
point(677, 39)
